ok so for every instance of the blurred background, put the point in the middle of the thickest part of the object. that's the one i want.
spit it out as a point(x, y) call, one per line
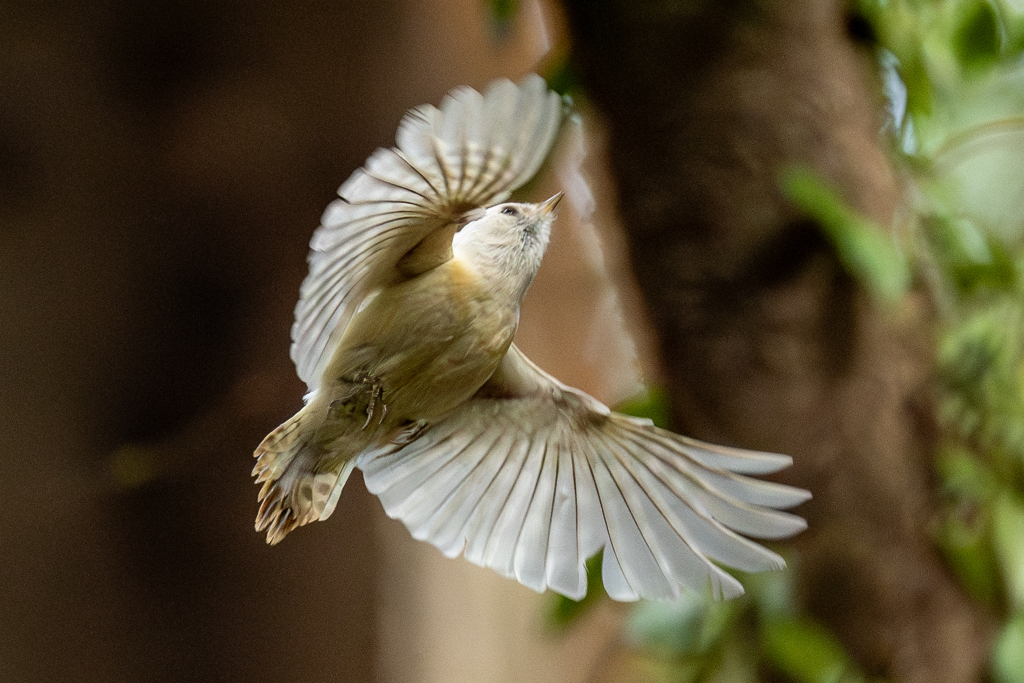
point(822, 205)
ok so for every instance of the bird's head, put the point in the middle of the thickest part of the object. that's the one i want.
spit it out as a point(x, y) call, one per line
point(508, 240)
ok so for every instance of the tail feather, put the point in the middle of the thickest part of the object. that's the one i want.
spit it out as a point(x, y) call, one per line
point(294, 493)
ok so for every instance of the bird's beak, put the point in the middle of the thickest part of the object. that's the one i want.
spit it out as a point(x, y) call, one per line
point(547, 207)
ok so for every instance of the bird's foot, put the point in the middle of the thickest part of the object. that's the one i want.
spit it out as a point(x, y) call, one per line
point(376, 396)
point(372, 389)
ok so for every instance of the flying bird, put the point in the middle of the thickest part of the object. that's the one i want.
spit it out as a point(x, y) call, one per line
point(404, 336)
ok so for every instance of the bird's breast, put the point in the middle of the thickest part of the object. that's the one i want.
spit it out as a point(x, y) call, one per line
point(430, 341)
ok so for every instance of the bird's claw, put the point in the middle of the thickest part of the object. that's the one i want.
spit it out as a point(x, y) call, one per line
point(376, 395)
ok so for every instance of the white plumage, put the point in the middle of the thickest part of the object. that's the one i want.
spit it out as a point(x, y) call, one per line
point(403, 334)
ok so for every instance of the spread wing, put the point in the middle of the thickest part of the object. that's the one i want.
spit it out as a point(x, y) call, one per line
point(396, 215)
point(531, 477)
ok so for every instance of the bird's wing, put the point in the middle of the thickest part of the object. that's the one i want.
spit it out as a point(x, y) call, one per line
point(531, 477)
point(397, 214)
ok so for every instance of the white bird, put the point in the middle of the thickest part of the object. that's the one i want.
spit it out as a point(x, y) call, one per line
point(403, 334)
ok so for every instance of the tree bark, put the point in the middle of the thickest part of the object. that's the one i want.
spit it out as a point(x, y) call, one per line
point(766, 342)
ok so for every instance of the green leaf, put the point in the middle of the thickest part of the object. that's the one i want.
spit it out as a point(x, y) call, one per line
point(1008, 652)
point(962, 474)
point(807, 652)
point(964, 534)
point(652, 403)
point(865, 250)
point(968, 554)
point(564, 78)
point(565, 610)
point(920, 89)
point(1008, 540)
point(967, 257)
point(503, 11)
point(1015, 30)
point(773, 594)
point(693, 625)
point(738, 662)
point(670, 627)
point(976, 38)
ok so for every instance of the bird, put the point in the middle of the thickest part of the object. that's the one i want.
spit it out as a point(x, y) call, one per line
point(403, 334)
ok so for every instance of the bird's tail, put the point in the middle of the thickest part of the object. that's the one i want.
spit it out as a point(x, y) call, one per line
point(294, 491)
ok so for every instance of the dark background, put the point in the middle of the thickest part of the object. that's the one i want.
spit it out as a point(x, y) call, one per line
point(162, 167)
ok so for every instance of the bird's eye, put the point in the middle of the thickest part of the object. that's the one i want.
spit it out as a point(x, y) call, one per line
point(510, 211)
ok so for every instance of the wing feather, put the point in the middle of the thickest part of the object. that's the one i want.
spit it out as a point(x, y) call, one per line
point(531, 546)
point(628, 546)
point(403, 482)
point(485, 517)
point(502, 545)
point(701, 517)
point(444, 522)
point(532, 477)
point(471, 152)
point(449, 521)
point(749, 503)
point(564, 563)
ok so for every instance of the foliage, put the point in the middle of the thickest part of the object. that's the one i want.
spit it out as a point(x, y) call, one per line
point(962, 136)
point(502, 13)
point(865, 250)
